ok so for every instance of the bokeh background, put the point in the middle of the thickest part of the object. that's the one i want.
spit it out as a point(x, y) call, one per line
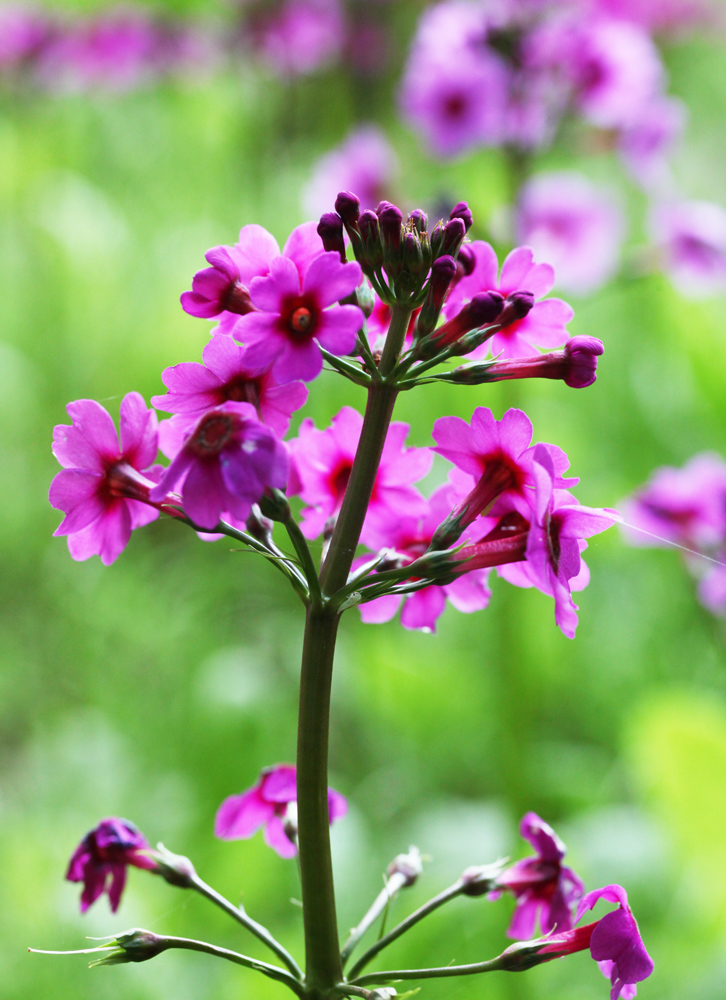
point(154, 688)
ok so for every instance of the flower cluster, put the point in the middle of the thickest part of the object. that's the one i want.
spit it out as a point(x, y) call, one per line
point(686, 507)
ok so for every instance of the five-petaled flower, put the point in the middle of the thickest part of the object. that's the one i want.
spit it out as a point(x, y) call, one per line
point(104, 487)
point(101, 859)
point(542, 885)
point(270, 803)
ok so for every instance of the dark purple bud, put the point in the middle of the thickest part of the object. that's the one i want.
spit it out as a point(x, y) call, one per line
point(442, 274)
point(454, 233)
point(368, 225)
point(330, 231)
point(390, 219)
point(418, 220)
point(516, 306)
point(371, 254)
point(436, 237)
point(483, 310)
point(412, 256)
point(347, 205)
point(463, 212)
point(466, 261)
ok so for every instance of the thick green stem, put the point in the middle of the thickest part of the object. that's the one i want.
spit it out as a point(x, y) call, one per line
point(323, 968)
point(322, 948)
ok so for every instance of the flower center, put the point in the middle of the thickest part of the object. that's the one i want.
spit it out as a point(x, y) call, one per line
point(244, 391)
point(340, 481)
point(301, 320)
point(211, 435)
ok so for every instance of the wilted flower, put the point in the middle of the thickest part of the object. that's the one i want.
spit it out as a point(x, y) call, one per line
point(101, 859)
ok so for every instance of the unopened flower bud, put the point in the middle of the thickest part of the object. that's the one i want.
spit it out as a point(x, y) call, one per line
point(390, 219)
point(418, 220)
point(407, 865)
point(274, 504)
point(437, 237)
point(516, 306)
point(258, 526)
point(483, 310)
point(442, 274)
point(576, 365)
point(412, 256)
point(365, 298)
point(330, 231)
point(371, 253)
point(463, 212)
point(454, 233)
point(465, 261)
point(347, 205)
point(135, 945)
point(383, 993)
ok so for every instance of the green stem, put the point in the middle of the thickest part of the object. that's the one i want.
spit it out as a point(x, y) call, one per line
point(323, 968)
point(238, 914)
point(300, 545)
point(493, 965)
point(405, 925)
point(394, 884)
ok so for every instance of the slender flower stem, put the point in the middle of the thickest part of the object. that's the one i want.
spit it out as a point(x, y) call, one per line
point(323, 969)
point(301, 547)
point(239, 914)
point(423, 911)
point(493, 965)
point(394, 884)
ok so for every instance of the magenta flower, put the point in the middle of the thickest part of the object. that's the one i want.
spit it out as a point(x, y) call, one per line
point(657, 14)
point(321, 467)
point(222, 290)
point(494, 459)
point(23, 32)
point(101, 859)
point(104, 489)
point(408, 538)
point(224, 463)
point(559, 527)
point(616, 944)
point(543, 326)
point(303, 36)
point(576, 365)
point(294, 316)
point(691, 236)
point(576, 226)
point(270, 803)
point(686, 506)
point(226, 376)
point(365, 163)
point(543, 887)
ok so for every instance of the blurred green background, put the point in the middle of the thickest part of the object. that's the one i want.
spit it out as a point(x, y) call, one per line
point(154, 688)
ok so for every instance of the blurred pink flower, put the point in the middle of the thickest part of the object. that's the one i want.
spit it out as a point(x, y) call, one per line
point(691, 237)
point(101, 859)
point(303, 36)
point(365, 163)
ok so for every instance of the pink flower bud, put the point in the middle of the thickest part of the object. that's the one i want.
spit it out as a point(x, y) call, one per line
point(330, 231)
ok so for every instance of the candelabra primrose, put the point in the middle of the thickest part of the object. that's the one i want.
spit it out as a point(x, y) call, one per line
point(431, 296)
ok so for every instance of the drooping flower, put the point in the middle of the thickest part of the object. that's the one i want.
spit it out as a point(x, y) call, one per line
point(365, 163)
point(303, 36)
point(222, 290)
point(224, 463)
point(493, 459)
point(544, 888)
point(296, 315)
point(104, 488)
point(556, 539)
point(545, 323)
point(226, 376)
point(616, 944)
point(691, 237)
point(576, 226)
point(101, 859)
point(321, 465)
point(407, 538)
point(270, 803)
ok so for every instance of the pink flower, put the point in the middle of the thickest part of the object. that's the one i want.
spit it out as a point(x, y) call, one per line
point(303, 36)
point(646, 141)
point(23, 32)
point(576, 226)
point(225, 463)
point(101, 489)
point(222, 290)
point(559, 527)
point(224, 376)
point(691, 237)
point(493, 459)
point(294, 316)
point(686, 505)
point(543, 326)
point(712, 589)
point(321, 466)
point(365, 163)
point(616, 944)
point(657, 14)
point(542, 886)
point(101, 859)
point(576, 365)
point(270, 803)
point(408, 538)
